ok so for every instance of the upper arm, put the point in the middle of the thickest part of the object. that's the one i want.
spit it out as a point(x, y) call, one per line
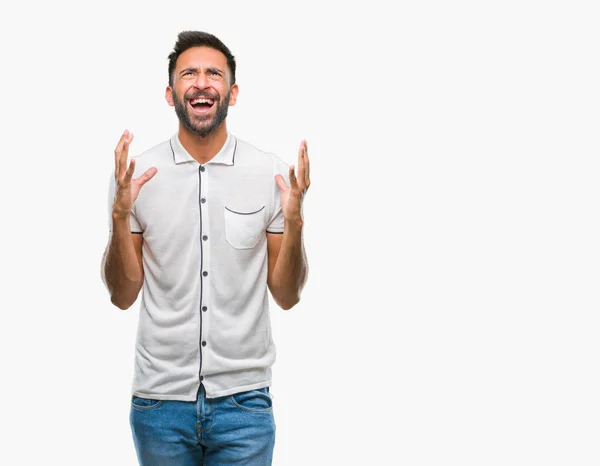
point(273, 247)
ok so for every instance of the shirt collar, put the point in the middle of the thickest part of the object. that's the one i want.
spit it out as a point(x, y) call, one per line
point(225, 156)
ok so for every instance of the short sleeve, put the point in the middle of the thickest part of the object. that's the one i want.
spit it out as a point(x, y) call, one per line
point(276, 221)
point(133, 222)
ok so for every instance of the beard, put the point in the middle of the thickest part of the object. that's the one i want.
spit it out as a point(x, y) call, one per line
point(205, 124)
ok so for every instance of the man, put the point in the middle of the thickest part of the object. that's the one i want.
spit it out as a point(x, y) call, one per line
point(207, 225)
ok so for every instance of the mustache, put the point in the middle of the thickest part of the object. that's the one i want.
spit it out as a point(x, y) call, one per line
point(205, 95)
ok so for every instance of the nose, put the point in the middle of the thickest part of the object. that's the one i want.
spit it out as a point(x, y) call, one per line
point(201, 81)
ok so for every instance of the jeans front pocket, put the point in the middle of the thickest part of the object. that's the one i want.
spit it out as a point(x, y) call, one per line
point(258, 400)
point(144, 404)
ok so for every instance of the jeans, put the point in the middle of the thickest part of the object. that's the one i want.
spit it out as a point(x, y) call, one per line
point(236, 429)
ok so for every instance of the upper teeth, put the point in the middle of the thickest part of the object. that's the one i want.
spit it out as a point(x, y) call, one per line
point(201, 101)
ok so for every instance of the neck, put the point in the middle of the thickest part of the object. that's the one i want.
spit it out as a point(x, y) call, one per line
point(203, 148)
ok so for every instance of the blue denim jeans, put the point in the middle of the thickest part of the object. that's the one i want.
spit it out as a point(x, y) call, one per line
point(236, 429)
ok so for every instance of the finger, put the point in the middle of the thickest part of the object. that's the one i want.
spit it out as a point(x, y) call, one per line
point(301, 165)
point(130, 170)
point(306, 165)
point(293, 179)
point(124, 154)
point(146, 176)
point(119, 150)
point(281, 183)
point(122, 139)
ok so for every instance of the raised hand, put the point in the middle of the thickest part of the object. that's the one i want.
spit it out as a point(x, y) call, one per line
point(127, 189)
point(292, 196)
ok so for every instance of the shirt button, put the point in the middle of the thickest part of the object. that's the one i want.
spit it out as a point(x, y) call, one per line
point(204, 308)
point(205, 274)
point(201, 378)
point(202, 168)
point(205, 237)
point(203, 343)
point(203, 200)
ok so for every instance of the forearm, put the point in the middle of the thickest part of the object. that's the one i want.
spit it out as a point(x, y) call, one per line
point(291, 269)
point(122, 271)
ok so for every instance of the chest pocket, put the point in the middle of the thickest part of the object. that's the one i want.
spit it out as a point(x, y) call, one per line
point(243, 230)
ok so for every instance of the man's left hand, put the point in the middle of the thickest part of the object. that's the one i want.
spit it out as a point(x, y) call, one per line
point(292, 196)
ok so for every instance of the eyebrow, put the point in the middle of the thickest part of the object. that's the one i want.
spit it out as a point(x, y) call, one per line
point(195, 70)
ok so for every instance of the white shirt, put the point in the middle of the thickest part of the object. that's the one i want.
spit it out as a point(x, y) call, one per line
point(204, 314)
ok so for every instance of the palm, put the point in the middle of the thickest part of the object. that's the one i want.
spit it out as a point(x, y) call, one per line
point(128, 188)
point(293, 195)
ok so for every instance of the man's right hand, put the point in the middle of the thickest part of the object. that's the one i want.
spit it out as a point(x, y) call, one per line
point(127, 189)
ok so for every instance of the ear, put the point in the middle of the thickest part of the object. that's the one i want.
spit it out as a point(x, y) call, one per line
point(169, 96)
point(233, 96)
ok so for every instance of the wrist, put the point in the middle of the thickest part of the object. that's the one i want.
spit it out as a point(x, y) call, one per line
point(120, 215)
point(293, 223)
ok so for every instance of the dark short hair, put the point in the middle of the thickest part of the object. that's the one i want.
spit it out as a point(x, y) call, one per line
point(189, 39)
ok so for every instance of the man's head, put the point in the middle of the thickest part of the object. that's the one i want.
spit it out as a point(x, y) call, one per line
point(201, 81)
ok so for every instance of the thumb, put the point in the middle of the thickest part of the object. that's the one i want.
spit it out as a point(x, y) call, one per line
point(281, 183)
point(148, 174)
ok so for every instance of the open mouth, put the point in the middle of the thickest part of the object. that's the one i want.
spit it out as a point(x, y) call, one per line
point(201, 105)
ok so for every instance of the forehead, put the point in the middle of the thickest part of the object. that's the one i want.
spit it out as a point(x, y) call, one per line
point(200, 57)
